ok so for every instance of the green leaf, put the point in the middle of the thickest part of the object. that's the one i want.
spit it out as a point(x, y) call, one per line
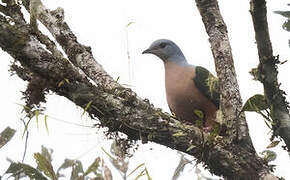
point(178, 134)
point(47, 153)
point(109, 155)
point(269, 155)
point(93, 167)
point(45, 123)
point(283, 13)
point(77, 171)
point(18, 168)
point(130, 23)
point(190, 147)
point(77, 168)
point(135, 169)
point(256, 103)
point(60, 83)
point(120, 162)
point(66, 80)
point(24, 106)
point(87, 107)
point(6, 135)
point(44, 165)
point(273, 144)
point(118, 78)
point(286, 26)
point(36, 113)
point(66, 164)
point(199, 113)
point(147, 174)
point(142, 173)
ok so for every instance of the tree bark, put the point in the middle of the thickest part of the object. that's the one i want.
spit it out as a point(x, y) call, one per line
point(116, 107)
point(267, 73)
point(231, 101)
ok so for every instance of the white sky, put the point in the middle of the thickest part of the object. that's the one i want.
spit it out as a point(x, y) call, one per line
point(102, 25)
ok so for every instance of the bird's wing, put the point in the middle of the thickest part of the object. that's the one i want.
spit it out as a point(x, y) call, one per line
point(207, 84)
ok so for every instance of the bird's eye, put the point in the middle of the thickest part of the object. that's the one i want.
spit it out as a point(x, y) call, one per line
point(162, 45)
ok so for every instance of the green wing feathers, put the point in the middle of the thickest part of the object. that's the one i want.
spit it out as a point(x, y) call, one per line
point(207, 84)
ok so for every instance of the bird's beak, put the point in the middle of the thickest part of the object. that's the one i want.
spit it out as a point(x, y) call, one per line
point(147, 51)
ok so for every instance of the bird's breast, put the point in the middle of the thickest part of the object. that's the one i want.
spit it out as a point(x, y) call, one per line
point(182, 95)
point(180, 89)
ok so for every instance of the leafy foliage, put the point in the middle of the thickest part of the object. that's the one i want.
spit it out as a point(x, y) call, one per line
point(142, 173)
point(45, 170)
point(286, 24)
point(77, 168)
point(283, 13)
point(93, 168)
point(44, 165)
point(32, 112)
point(273, 144)
point(256, 103)
point(118, 159)
point(17, 169)
point(87, 107)
point(6, 135)
point(179, 133)
point(268, 155)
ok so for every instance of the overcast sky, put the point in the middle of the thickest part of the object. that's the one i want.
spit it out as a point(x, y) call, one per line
point(102, 25)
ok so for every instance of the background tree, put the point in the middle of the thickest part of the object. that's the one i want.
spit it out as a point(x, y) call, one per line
point(83, 81)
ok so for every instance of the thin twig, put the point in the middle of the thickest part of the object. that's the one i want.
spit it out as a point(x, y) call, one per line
point(268, 73)
point(25, 146)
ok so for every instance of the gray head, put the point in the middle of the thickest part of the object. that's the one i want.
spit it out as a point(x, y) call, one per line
point(167, 51)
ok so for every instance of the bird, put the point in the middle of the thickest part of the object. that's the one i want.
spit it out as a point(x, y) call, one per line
point(191, 91)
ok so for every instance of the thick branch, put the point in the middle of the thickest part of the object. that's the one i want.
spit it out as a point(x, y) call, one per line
point(13, 11)
point(268, 72)
point(119, 108)
point(231, 102)
point(80, 55)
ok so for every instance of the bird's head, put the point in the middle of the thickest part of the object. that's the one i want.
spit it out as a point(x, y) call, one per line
point(166, 50)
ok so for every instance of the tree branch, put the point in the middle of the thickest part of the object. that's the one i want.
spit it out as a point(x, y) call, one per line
point(231, 102)
point(80, 55)
point(267, 73)
point(119, 108)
